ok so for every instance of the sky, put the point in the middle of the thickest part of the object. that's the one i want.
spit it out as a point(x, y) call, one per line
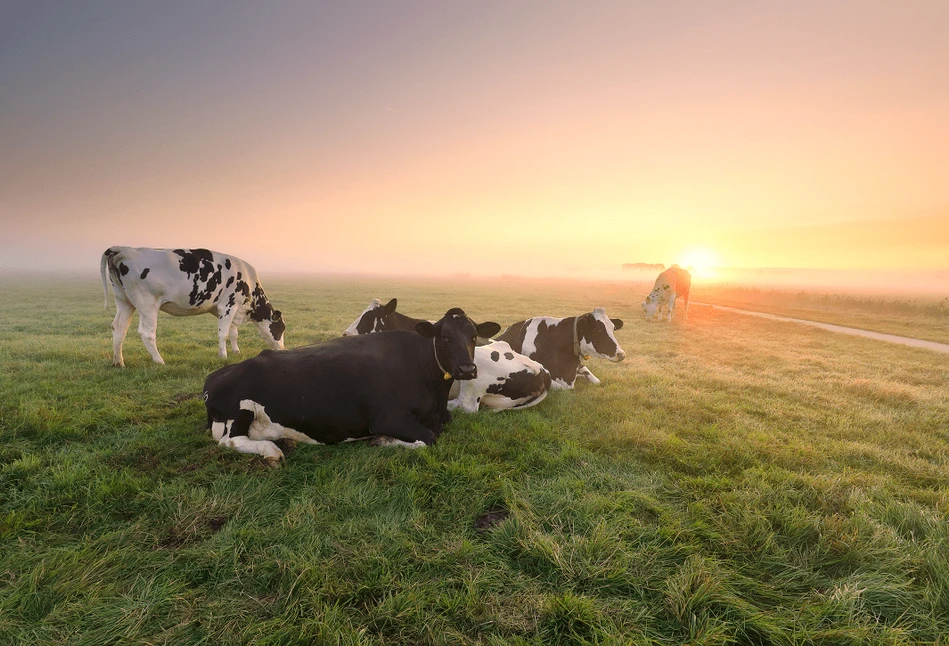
point(527, 138)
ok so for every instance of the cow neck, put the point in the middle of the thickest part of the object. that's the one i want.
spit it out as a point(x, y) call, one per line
point(445, 374)
point(576, 337)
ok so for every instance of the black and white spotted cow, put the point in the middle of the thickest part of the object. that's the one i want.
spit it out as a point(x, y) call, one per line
point(671, 285)
point(183, 282)
point(505, 379)
point(393, 386)
point(560, 344)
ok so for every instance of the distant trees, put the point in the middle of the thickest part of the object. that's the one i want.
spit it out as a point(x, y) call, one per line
point(640, 266)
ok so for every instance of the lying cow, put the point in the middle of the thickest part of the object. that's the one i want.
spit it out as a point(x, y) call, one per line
point(391, 385)
point(560, 343)
point(183, 282)
point(505, 379)
point(672, 284)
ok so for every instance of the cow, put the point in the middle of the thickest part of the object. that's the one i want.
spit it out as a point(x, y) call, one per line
point(183, 282)
point(560, 344)
point(672, 284)
point(505, 379)
point(392, 387)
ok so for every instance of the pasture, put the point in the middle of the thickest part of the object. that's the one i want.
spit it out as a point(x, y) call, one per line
point(734, 481)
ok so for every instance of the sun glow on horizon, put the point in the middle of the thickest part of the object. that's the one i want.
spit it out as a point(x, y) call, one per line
point(700, 262)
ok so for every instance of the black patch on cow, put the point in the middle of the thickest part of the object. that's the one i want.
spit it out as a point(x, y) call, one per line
point(144, 273)
point(495, 355)
point(519, 385)
point(227, 263)
point(123, 269)
point(242, 424)
point(230, 281)
point(554, 346)
point(199, 266)
point(260, 309)
point(277, 328)
point(509, 356)
point(110, 252)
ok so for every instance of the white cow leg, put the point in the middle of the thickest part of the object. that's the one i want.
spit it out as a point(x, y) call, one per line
point(148, 330)
point(672, 305)
point(469, 399)
point(120, 326)
point(233, 336)
point(225, 329)
point(584, 372)
point(266, 449)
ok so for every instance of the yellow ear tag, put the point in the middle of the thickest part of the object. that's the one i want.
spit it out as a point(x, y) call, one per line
point(447, 376)
point(586, 357)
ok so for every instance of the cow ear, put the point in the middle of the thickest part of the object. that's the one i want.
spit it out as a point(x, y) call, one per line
point(426, 329)
point(390, 306)
point(488, 329)
point(617, 324)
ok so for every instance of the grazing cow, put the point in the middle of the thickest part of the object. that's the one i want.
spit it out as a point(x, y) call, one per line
point(673, 283)
point(560, 344)
point(183, 282)
point(392, 386)
point(505, 379)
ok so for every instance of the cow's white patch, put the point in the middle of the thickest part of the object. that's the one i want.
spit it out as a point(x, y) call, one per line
point(351, 330)
point(560, 384)
point(529, 347)
point(263, 428)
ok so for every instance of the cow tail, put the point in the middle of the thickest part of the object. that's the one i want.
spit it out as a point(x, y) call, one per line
point(105, 285)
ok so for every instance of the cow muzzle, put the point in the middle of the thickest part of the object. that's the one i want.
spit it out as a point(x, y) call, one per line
point(468, 371)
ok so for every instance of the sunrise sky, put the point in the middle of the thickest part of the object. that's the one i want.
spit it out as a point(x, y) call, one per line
point(534, 138)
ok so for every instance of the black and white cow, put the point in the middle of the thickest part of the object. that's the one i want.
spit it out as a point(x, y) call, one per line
point(183, 282)
point(561, 343)
point(505, 379)
point(393, 386)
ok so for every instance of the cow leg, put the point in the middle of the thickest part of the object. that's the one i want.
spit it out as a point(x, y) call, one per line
point(672, 305)
point(469, 397)
point(233, 337)
point(584, 372)
point(120, 327)
point(225, 329)
point(405, 428)
point(148, 329)
point(227, 435)
point(685, 310)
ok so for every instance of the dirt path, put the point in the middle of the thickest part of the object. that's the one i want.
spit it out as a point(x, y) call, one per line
point(879, 336)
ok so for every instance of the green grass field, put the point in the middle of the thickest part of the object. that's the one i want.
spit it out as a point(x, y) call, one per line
point(734, 481)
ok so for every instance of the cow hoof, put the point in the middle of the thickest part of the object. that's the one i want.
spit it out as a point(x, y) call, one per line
point(272, 462)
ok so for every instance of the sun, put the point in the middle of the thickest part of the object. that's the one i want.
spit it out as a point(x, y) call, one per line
point(700, 262)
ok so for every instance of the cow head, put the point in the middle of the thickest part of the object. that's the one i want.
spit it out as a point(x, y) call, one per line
point(268, 320)
point(453, 338)
point(658, 296)
point(595, 336)
point(372, 319)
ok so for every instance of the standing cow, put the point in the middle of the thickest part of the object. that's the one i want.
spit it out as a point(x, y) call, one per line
point(183, 282)
point(672, 284)
point(388, 386)
point(505, 378)
point(560, 343)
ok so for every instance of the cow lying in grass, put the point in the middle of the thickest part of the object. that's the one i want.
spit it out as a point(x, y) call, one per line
point(184, 282)
point(390, 386)
point(561, 343)
point(505, 379)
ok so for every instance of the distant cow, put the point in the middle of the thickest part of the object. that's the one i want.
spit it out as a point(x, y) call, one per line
point(183, 282)
point(672, 284)
point(560, 343)
point(505, 379)
point(393, 386)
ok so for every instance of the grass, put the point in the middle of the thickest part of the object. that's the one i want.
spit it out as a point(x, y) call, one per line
point(734, 481)
point(920, 317)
